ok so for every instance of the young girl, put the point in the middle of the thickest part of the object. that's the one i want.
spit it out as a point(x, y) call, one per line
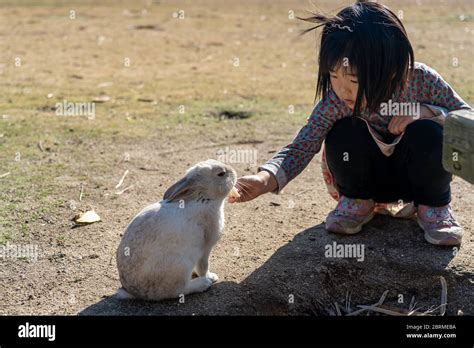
point(390, 149)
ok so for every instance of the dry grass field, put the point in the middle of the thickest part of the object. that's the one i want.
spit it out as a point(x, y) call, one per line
point(174, 83)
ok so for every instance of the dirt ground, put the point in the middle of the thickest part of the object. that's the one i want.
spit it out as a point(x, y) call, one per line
point(172, 70)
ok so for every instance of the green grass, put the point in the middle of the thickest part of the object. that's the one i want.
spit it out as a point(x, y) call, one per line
point(25, 195)
point(29, 192)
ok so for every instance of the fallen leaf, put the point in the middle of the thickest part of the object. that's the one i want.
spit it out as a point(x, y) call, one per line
point(89, 217)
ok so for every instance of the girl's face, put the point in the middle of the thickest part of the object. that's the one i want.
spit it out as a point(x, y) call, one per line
point(345, 85)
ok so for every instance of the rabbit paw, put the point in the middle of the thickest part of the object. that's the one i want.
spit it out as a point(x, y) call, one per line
point(212, 276)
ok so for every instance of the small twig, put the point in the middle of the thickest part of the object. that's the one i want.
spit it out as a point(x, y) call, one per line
point(432, 310)
point(379, 303)
point(444, 295)
point(125, 189)
point(357, 312)
point(394, 311)
point(82, 191)
point(121, 180)
point(149, 169)
point(40, 145)
point(382, 298)
point(299, 193)
point(380, 310)
point(348, 301)
point(412, 304)
point(4, 174)
point(415, 312)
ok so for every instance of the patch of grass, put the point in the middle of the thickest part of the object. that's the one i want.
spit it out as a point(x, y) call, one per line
point(5, 237)
point(24, 229)
point(60, 240)
point(25, 196)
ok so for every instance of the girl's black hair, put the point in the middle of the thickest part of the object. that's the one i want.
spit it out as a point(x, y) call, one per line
point(373, 41)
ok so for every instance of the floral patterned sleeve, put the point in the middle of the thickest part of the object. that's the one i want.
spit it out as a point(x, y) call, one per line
point(436, 93)
point(292, 159)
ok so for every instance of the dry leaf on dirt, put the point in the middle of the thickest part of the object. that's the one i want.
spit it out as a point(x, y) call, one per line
point(89, 217)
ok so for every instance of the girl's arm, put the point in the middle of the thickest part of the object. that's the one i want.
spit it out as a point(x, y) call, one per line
point(438, 96)
point(292, 159)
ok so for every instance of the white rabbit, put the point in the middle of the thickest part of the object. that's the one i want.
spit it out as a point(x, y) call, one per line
point(167, 240)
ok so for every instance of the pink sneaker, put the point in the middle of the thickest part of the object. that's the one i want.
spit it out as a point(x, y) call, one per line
point(350, 215)
point(439, 224)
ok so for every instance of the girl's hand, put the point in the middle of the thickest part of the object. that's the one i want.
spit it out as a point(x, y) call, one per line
point(252, 186)
point(398, 124)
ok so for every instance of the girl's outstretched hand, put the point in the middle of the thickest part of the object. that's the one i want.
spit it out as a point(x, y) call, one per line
point(252, 186)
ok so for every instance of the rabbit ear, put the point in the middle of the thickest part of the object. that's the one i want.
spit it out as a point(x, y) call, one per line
point(179, 190)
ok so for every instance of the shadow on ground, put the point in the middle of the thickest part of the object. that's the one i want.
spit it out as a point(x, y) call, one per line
point(298, 279)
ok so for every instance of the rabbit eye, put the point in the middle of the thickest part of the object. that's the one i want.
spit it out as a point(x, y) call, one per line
point(221, 174)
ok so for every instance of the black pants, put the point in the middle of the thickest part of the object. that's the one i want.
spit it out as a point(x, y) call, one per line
point(414, 171)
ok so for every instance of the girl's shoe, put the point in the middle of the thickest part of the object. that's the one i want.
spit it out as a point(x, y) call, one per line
point(350, 215)
point(439, 224)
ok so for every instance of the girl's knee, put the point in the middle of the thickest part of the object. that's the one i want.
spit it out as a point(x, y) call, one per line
point(347, 130)
point(424, 133)
point(423, 127)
